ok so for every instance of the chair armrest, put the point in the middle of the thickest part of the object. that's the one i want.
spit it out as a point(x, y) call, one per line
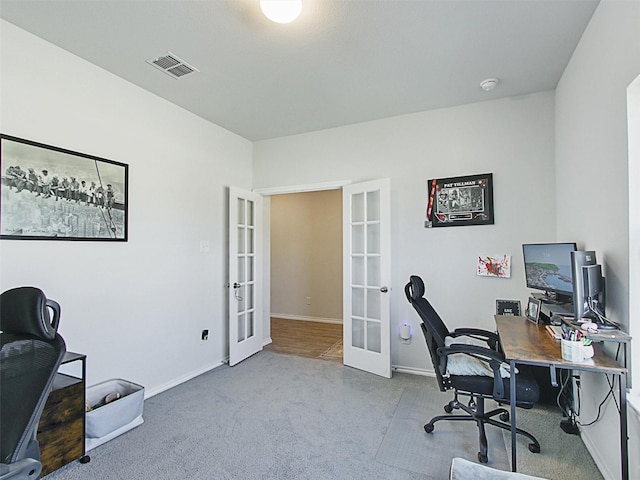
point(492, 357)
point(491, 338)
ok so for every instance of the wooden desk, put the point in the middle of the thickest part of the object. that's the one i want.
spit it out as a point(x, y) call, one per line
point(526, 343)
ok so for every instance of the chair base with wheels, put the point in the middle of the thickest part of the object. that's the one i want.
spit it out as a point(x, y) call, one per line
point(475, 411)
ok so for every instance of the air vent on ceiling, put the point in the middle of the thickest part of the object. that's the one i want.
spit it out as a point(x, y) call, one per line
point(172, 65)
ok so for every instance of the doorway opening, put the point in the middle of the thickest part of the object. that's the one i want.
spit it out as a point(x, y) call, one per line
point(306, 274)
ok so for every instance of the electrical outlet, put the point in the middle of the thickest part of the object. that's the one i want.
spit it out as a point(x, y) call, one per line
point(308, 300)
point(205, 334)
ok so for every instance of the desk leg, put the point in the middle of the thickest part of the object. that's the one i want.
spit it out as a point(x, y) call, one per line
point(512, 397)
point(624, 440)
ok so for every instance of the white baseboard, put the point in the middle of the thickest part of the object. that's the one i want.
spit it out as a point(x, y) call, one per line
point(179, 380)
point(413, 371)
point(307, 319)
point(600, 462)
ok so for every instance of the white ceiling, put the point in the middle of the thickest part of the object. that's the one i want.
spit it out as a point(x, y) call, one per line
point(341, 62)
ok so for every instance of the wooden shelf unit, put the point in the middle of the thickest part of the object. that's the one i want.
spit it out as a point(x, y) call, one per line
point(62, 424)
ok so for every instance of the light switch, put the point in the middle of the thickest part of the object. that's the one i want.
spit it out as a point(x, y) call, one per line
point(204, 245)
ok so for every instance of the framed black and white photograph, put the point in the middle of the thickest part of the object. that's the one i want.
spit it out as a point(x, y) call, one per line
point(508, 307)
point(533, 310)
point(50, 193)
point(459, 201)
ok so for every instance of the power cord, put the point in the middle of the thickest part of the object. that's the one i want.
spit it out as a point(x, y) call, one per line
point(562, 393)
point(609, 394)
point(594, 307)
point(612, 383)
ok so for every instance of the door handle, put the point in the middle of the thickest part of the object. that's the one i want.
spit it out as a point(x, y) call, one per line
point(384, 289)
point(236, 293)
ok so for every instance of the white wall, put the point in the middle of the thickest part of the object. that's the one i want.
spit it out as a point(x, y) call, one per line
point(512, 138)
point(592, 179)
point(137, 308)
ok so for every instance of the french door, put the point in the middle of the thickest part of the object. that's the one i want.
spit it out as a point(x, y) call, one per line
point(245, 286)
point(366, 275)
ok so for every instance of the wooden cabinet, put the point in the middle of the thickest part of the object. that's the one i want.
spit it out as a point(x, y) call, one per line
point(62, 424)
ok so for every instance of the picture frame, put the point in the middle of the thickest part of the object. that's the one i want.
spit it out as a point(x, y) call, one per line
point(494, 266)
point(460, 201)
point(533, 310)
point(51, 193)
point(508, 307)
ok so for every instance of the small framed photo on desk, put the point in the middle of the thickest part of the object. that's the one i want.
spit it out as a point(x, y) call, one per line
point(533, 310)
point(508, 307)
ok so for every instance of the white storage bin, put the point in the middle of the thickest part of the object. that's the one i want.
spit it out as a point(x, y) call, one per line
point(112, 419)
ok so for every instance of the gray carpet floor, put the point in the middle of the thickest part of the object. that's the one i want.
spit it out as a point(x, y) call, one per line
point(279, 416)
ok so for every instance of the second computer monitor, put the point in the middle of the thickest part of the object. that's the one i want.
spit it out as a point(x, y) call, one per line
point(579, 260)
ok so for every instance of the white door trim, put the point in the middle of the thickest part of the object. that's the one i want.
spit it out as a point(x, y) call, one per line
point(311, 187)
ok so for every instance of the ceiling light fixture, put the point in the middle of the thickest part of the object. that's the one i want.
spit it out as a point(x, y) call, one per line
point(281, 11)
point(489, 84)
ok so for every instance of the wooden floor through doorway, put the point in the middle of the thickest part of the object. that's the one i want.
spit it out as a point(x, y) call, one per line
point(306, 339)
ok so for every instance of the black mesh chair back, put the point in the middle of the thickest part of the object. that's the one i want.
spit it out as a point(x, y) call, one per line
point(31, 352)
point(435, 333)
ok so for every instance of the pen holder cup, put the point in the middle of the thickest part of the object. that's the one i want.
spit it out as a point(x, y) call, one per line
point(575, 351)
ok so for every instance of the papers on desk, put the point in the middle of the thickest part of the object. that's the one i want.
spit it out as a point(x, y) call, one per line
point(555, 331)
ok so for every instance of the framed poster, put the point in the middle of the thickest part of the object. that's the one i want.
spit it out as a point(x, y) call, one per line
point(49, 193)
point(459, 201)
point(508, 307)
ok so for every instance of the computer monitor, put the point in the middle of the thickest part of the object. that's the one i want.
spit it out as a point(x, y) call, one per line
point(547, 267)
point(579, 261)
point(588, 289)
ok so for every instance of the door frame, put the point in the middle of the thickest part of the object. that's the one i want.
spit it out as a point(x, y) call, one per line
point(266, 247)
point(266, 240)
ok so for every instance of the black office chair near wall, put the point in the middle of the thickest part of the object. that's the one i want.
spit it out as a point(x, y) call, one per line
point(476, 387)
point(29, 359)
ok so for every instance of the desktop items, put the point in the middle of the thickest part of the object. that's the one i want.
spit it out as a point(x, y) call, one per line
point(571, 281)
point(533, 310)
point(575, 347)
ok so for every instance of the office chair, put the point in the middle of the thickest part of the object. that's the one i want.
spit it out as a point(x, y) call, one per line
point(29, 359)
point(473, 383)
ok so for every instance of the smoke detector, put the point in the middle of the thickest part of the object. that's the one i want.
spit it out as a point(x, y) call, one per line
point(172, 65)
point(489, 84)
